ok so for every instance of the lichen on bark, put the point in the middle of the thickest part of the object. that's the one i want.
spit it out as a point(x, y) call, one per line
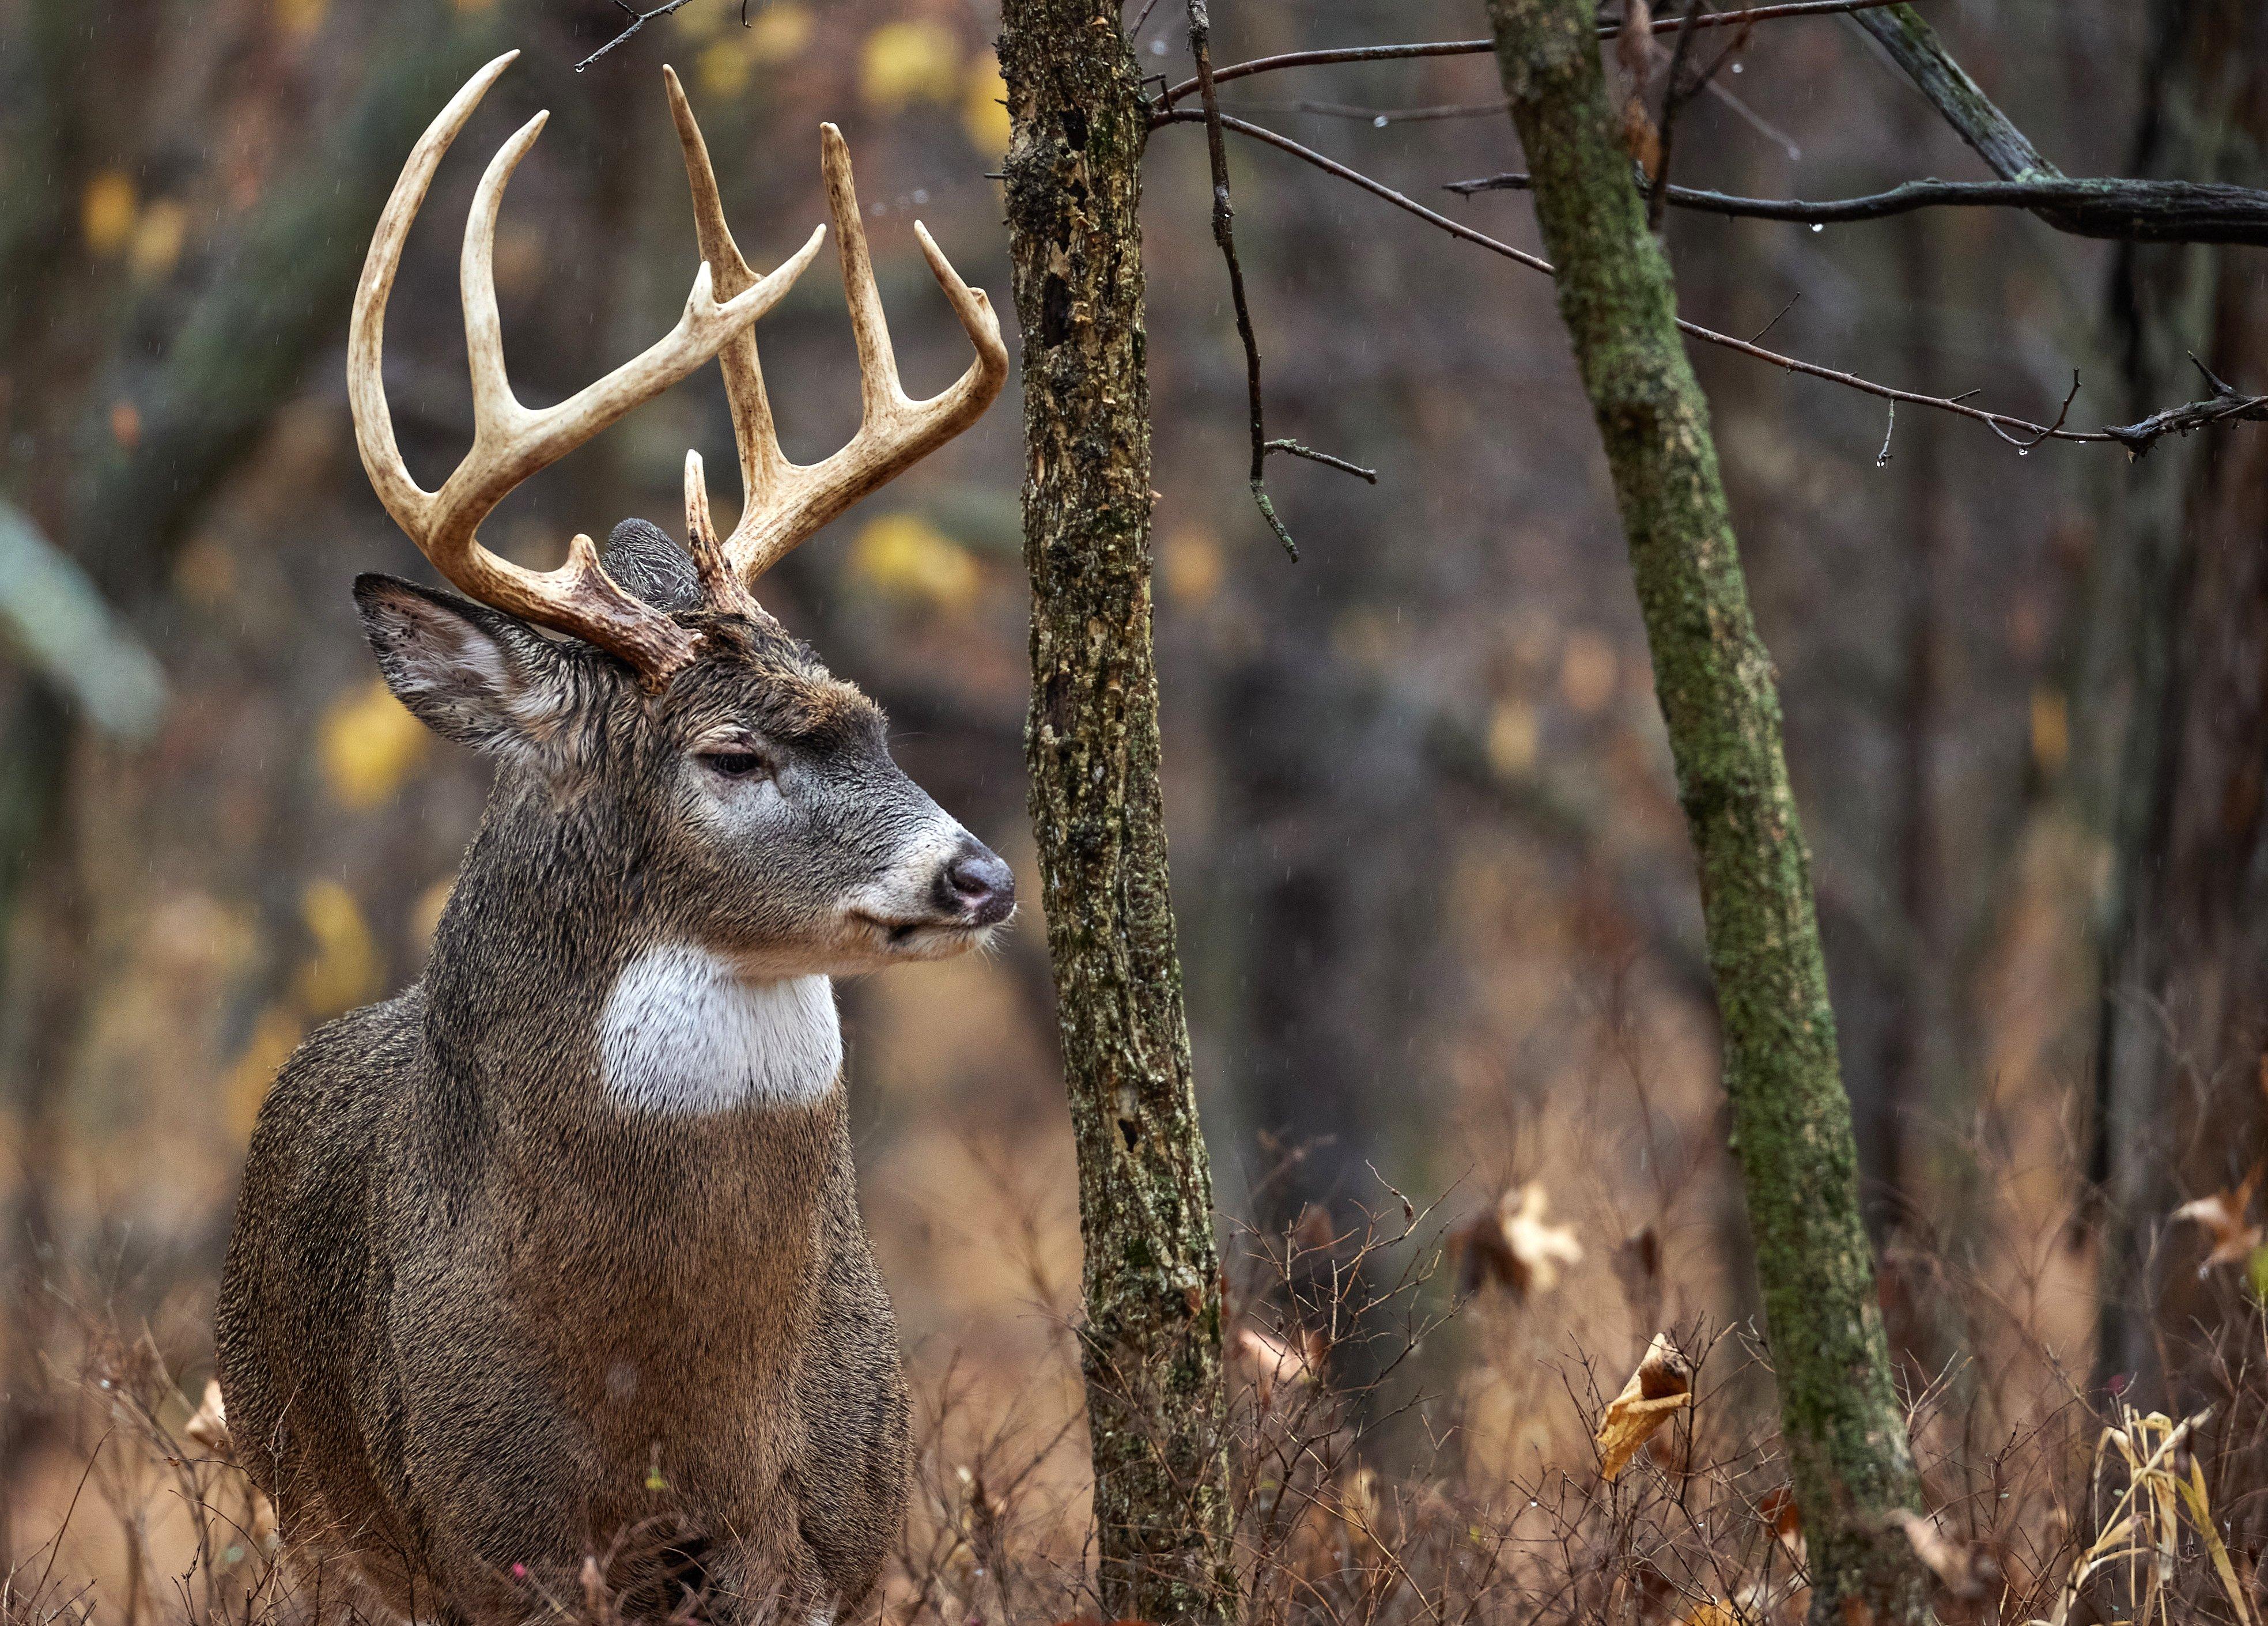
point(1849, 1455)
point(1151, 1343)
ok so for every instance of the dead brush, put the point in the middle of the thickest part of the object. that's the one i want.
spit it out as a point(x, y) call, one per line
point(1363, 1498)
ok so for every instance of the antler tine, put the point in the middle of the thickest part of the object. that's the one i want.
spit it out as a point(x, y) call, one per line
point(895, 431)
point(756, 437)
point(785, 501)
point(720, 586)
point(510, 442)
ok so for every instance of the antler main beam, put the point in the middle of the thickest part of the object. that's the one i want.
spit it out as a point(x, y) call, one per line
point(785, 502)
point(510, 441)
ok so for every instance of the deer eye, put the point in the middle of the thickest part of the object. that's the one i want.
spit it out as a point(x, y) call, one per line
point(735, 762)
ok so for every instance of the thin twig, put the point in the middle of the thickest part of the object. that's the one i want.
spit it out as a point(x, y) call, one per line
point(2136, 438)
point(638, 19)
point(1676, 93)
point(2186, 211)
point(1672, 102)
point(1381, 117)
point(1784, 309)
point(1882, 458)
point(1481, 48)
point(1223, 235)
point(1297, 450)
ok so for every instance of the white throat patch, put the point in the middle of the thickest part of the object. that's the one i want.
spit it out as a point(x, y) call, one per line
point(682, 1033)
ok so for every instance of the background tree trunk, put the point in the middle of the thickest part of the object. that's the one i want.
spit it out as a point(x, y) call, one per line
point(1152, 1343)
point(1845, 1434)
point(2183, 597)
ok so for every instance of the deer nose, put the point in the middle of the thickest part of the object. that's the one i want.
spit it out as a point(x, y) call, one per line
point(977, 885)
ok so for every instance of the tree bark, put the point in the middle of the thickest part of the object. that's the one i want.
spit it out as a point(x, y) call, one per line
point(1152, 1343)
point(1851, 1465)
point(2181, 591)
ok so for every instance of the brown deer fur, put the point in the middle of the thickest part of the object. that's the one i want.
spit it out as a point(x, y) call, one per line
point(484, 1313)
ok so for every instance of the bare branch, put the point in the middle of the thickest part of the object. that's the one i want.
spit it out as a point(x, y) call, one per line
point(1915, 48)
point(1481, 48)
point(1223, 235)
point(2134, 211)
point(639, 20)
point(1380, 117)
point(2136, 438)
point(1675, 94)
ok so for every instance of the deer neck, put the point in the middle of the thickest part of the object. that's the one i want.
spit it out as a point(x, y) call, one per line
point(582, 1003)
point(682, 1033)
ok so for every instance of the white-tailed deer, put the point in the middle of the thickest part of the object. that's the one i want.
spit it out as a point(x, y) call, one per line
point(557, 1252)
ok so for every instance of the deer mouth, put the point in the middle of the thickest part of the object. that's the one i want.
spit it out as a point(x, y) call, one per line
point(925, 933)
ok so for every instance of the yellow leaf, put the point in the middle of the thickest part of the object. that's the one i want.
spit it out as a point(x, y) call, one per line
point(425, 915)
point(1587, 672)
point(344, 971)
point(274, 1037)
point(1512, 737)
point(984, 107)
point(698, 22)
point(1191, 564)
point(368, 745)
point(107, 211)
point(905, 557)
point(2050, 731)
point(780, 33)
point(159, 236)
point(907, 62)
point(300, 17)
point(1663, 1384)
point(725, 68)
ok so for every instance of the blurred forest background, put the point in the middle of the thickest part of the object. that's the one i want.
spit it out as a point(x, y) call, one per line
point(1436, 902)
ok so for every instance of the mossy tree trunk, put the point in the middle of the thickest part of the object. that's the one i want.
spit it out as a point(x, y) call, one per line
point(1851, 1464)
point(1152, 1341)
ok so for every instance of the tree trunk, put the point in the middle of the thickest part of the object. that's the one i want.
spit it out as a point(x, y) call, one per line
point(1152, 1343)
point(1852, 1467)
point(2183, 596)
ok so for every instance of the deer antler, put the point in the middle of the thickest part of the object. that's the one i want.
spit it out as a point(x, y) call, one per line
point(786, 502)
point(509, 441)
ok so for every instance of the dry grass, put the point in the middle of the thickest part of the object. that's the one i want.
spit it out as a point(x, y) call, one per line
point(1372, 1482)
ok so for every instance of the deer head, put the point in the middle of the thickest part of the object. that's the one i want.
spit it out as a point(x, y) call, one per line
point(695, 770)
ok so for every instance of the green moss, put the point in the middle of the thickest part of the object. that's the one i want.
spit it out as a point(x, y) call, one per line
point(1791, 1120)
point(1151, 1344)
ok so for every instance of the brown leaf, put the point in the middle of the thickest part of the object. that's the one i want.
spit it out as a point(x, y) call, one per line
point(1965, 1570)
point(2222, 1216)
point(1514, 1246)
point(1663, 1384)
point(209, 1427)
point(1271, 1361)
point(1312, 1232)
point(1779, 1510)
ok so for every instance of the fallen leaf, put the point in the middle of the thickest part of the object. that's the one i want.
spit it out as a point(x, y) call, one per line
point(1271, 1361)
point(1961, 1567)
point(2222, 1215)
point(1514, 1245)
point(209, 1427)
point(1779, 1510)
point(1663, 1384)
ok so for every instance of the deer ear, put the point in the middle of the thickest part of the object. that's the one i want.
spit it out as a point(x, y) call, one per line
point(470, 673)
